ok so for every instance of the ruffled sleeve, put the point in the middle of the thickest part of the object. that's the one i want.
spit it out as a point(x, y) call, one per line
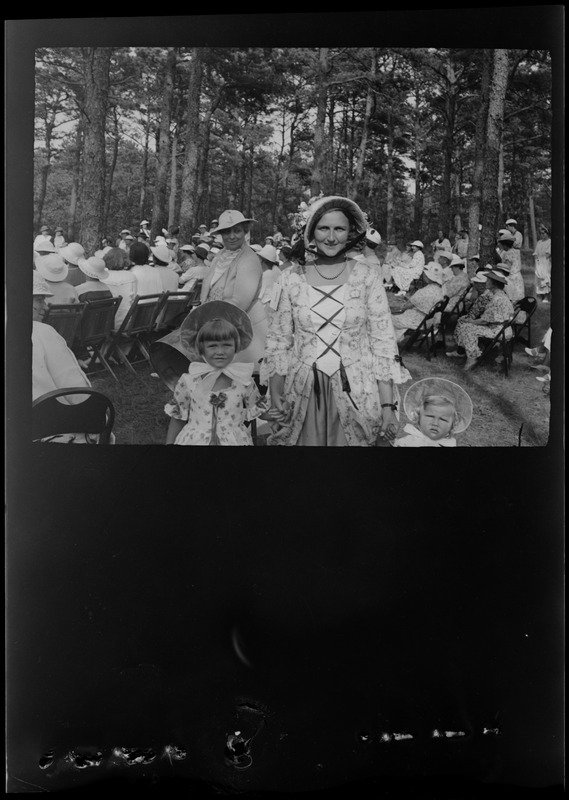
point(387, 364)
point(179, 406)
point(278, 344)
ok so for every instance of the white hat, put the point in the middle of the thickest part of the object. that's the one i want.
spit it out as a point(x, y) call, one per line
point(445, 254)
point(40, 286)
point(256, 247)
point(434, 271)
point(373, 236)
point(129, 236)
point(323, 205)
point(230, 218)
point(94, 267)
point(456, 261)
point(188, 248)
point(72, 252)
point(52, 267)
point(511, 222)
point(506, 237)
point(45, 246)
point(417, 243)
point(145, 222)
point(269, 253)
point(125, 230)
point(475, 257)
point(203, 225)
point(480, 277)
point(162, 252)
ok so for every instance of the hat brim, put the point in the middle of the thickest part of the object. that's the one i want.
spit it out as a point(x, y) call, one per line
point(326, 204)
point(225, 228)
point(439, 386)
point(93, 275)
point(215, 309)
point(49, 276)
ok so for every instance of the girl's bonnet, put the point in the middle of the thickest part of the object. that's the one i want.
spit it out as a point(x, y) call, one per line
point(427, 387)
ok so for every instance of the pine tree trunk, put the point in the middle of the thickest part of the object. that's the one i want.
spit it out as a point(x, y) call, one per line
point(76, 181)
point(365, 127)
point(96, 64)
point(109, 183)
point(173, 182)
point(192, 144)
point(494, 124)
point(163, 161)
point(322, 94)
point(475, 207)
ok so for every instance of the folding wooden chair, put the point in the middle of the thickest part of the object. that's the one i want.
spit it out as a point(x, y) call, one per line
point(95, 331)
point(499, 344)
point(65, 318)
point(527, 305)
point(94, 416)
point(174, 308)
point(427, 333)
point(136, 329)
point(451, 315)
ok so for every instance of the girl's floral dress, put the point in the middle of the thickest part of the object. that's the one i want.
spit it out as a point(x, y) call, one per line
point(214, 418)
point(365, 345)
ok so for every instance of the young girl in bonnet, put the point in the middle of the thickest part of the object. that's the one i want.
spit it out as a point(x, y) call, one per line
point(438, 409)
point(216, 396)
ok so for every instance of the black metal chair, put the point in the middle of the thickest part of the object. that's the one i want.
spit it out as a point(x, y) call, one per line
point(135, 330)
point(94, 416)
point(428, 330)
point(65, 318)
point(499, 344)
point(528, 306)
point(94, 332)
point(451, 315)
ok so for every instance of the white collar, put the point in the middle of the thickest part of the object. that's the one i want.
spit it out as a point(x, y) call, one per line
point(413, 431)
point(239, 371)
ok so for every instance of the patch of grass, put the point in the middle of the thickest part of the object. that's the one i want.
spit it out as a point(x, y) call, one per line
point(502, 406)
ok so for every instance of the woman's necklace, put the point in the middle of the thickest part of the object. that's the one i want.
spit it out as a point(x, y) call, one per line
point(332, 277)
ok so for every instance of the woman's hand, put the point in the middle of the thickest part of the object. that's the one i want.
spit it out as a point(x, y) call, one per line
point(389, 425)
point(280, 407)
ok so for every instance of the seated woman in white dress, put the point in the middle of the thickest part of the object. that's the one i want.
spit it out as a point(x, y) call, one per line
point(415, 309)
point(408, 271)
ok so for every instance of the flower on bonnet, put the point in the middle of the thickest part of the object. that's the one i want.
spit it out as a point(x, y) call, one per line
point(299, 220)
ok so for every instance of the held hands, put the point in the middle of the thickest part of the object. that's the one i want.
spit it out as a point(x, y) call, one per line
point(280, 411)
point(389, 427)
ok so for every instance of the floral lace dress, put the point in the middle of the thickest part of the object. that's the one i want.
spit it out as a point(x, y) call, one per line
point(214, 418)
point(347, 336)
point(495, 308)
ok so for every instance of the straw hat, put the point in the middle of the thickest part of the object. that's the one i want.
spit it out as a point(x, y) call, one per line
point(216, 309)
point(331, 203)
point(72, 252)
point(46, 246)
point(52, 267)
point(230, 218)
point(416, 394)
point(457, 261)
point(162, 252)
point(434, 271)
point(40, 286)
point(94, 268)
point(269, 253)
point(497, 276)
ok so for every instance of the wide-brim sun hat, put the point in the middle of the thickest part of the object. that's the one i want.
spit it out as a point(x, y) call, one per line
point(480, 277)
point(512, 222)
point(72, 252)
point(145, 222)
point(497, 276)
point(216, 309)
point(506, 237)
point(40, 289)
point(228, 219)
point(125, 230)
point(457, 261)
point(501, 268)
point(52, 267)
point(188, 248)
point(269, 253)
point(445, 254)
point(416, 394)
point(417, 243)
point(334, 203)
point(94, 267)
point(162, 252)
point(46, 246)
point(475, 257)
point(434, 271)
point(256, 247)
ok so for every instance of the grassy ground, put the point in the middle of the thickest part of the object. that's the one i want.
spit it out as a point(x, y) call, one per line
point(502, 406)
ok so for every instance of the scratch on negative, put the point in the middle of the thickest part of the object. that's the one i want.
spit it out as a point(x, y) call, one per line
point(28, 783)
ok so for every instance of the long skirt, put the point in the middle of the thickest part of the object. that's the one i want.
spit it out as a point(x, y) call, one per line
point(467, 335)
point(322, 427)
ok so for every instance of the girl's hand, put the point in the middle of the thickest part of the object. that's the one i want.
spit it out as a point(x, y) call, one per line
point(389, 425)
